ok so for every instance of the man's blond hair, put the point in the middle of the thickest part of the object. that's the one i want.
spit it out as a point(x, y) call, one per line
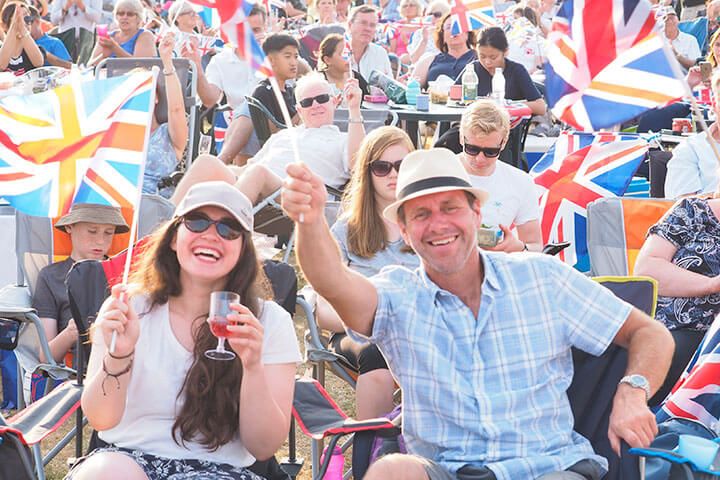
point(484, 117)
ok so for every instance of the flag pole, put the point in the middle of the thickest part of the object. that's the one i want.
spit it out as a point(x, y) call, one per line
point(695, 109)
point(136, 211)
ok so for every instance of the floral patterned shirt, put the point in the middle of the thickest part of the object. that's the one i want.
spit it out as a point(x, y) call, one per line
point(694, 229)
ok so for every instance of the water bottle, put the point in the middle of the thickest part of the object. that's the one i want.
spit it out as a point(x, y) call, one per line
point(498, 87)
point(469, 84)
point(413, 90)
point(335, 467)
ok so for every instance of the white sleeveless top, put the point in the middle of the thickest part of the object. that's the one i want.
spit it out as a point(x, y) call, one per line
point(160, 366)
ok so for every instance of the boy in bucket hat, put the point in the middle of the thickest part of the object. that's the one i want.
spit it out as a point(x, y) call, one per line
point(91, 228)
point(479, 341)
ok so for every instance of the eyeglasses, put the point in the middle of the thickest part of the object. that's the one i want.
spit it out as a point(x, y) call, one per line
point(125, 14)
point(225, 227)
point(320, 99)
point(437, 14)
point(474, 150)
point(29, 19)
point(381, 168)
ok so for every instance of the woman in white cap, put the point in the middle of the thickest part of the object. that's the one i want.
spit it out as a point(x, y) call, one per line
point(91, 228)
point(161, 406)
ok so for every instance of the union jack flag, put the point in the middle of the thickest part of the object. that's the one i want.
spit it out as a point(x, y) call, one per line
point(235, 29)
point(347, 47)
point(696, 395)
point(473, 15)
point(221, 123)
point(79, 143)
point(607, 63)
point(577, 170)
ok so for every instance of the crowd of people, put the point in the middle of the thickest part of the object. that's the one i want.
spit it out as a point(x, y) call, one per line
point(478, 338)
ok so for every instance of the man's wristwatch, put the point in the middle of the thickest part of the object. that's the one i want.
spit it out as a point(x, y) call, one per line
point(637, 381)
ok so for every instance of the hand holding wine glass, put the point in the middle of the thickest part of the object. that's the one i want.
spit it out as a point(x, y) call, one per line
point(245, 335)
point(118, 315)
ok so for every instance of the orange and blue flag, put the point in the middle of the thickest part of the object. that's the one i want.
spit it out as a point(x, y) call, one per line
point(78, 143)
point(607, 63)
point(472, 15)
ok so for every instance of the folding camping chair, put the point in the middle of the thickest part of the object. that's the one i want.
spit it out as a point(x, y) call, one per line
point(616, 229)
point(372, 119)
point(188, 80)
point(260, 116)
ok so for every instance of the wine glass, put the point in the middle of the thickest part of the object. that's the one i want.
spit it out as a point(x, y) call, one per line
point(219, 310)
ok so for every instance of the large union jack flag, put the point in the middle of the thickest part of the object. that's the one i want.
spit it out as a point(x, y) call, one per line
point(79, 143)
point(578, 169)
point(236, 30)
point(607, 63)
point(696, 395)
point(471, 15)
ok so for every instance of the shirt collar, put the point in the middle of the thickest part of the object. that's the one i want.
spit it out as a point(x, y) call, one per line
point(490, 278)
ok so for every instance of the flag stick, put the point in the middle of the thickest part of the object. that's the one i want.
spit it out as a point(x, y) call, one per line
point(136, 211)
point(694, 106)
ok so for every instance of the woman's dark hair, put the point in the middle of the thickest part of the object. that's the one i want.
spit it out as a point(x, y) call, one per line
point(440, 31)
point(530, 14)
point(493, 37)
point(210, 386)
point(327, 49)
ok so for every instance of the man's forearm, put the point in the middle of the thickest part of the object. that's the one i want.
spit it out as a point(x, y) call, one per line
point(650, 352)
point(209, 94)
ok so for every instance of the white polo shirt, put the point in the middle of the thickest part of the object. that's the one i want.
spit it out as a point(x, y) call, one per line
point(374, 58)
point(231, 75)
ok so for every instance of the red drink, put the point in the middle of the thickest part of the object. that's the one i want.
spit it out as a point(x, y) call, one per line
point(218, 326)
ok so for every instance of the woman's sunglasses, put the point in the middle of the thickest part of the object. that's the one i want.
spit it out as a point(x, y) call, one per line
point(437, 14)
point(381, 168)
point(320, 99)
point(198, 223)
point(474, 150)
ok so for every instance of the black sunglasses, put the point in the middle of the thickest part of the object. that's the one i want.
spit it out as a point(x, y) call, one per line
point(29, 19)
point(227, 228)
point(489, 152)
point(307, 102)
point(437, 14)
point(381, 168)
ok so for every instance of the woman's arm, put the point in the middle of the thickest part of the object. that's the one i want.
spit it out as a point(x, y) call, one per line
point(104, 395)
point(655, 260)
point(421, 69)
point(538, 107)
point(32, 50)
point(266, 391)
point(177, 125)
point(145, 45)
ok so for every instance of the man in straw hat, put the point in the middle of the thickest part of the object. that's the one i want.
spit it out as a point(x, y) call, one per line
point(91, 228)
point(479, 341)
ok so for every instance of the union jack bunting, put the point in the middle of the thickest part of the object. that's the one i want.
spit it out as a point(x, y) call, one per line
point(577, 170)
point(347, 47)
point(696, 395)
point(471, 15)
point(607, 63)
point(78, 143)
point(235, 29)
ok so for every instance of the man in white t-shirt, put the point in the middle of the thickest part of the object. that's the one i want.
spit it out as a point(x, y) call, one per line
point(512, 202)
point(366, 56)
point(684, 46)
point(327, 151)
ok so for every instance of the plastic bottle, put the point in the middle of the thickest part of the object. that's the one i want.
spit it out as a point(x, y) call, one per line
point(413, 90)
point(498, 87)
point(469, 84)
point(335, 467)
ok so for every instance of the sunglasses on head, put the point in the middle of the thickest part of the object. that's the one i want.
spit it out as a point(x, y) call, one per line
point(227, 228)
point(474, 150)
point(320, 99)
point(381, 168)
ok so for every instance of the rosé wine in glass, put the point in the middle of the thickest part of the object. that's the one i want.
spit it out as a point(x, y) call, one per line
point(218, 322)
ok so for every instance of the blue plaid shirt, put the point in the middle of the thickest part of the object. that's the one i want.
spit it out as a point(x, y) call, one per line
point(491, 390)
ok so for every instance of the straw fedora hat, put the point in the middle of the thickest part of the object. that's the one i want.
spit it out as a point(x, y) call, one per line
point(93, 213)
point(424, 172)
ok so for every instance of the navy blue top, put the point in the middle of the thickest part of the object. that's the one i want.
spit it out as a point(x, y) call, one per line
point(518, 84)
point(446, 64)
point(694, 229)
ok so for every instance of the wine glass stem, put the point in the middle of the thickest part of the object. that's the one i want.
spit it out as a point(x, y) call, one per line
point(221, 344)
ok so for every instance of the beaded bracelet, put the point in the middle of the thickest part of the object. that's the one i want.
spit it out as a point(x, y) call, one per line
point(116, 376)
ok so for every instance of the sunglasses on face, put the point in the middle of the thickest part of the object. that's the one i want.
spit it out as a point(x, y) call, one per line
point(437, 14)
point(227, 228)
point(474, 150)
point(29, 19)
point(125, 14)
point(320, 99)
point(381, 168)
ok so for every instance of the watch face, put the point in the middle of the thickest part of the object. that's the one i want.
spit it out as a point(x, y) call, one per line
point(638, 380)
